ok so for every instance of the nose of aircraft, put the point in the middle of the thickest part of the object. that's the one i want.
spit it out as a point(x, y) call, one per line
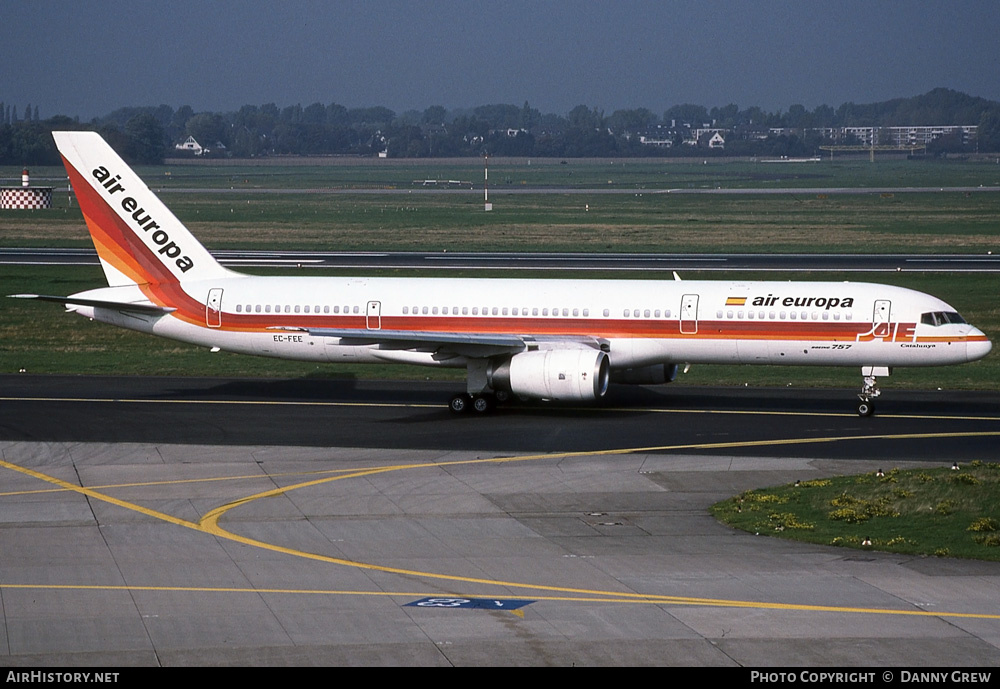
point(978, 345)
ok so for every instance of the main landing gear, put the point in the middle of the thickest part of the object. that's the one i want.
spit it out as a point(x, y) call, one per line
point(482, 403)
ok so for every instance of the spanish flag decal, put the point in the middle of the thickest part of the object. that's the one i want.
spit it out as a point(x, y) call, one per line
point(736, 301)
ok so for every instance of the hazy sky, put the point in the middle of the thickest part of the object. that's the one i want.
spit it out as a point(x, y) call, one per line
point(87, 57)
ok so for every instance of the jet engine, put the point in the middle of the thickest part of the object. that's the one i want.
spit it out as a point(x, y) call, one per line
point(579, 375)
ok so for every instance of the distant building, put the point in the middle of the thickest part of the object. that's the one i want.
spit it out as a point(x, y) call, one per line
point(910, 136)
point(190, 145)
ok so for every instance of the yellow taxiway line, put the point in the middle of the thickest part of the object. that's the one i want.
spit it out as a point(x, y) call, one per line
point(209, 524)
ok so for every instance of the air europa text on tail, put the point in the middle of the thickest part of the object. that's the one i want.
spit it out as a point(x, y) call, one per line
point(144, 220)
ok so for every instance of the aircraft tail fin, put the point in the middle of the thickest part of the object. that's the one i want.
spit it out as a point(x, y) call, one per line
point(138, 240)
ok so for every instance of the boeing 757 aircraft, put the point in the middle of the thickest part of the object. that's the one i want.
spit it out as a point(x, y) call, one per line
point(534, 339)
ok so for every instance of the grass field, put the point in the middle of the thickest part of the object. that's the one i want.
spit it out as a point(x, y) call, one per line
point(804, 221)
point(927, 511)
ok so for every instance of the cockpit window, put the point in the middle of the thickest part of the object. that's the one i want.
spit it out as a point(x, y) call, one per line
point(940, 318)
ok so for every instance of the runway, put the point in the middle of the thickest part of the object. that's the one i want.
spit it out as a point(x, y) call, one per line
point(549, 262)
point(159, 521)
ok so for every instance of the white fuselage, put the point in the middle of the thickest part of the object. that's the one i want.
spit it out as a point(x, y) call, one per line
point(641, 322)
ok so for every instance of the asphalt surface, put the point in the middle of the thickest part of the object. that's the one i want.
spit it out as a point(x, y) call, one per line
point(164, 521)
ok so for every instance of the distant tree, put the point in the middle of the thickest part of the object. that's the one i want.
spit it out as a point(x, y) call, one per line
point(582, 117)
point(989, 130)
point(436, 114)
point(207, 128)
point(499, 115)
point(336, 115)
point(146, 143)
point(798, 117)
point(378, 117)
point(695, 115)
point(292, 114)
point(314, 113)
point(823, 116)
point(530, 117)
point(727, 117)
point(631, 121)
point(177, 127)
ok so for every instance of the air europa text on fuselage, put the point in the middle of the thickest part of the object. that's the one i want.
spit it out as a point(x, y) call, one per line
point(144, 220)
point(818, 302)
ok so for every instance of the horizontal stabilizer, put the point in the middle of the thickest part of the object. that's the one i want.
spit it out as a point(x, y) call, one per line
point(139, 307)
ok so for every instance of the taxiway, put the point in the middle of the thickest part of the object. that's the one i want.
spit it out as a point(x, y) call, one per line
point(156, 521)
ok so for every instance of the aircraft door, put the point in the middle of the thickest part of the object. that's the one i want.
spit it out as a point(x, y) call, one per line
point(689, 314)
point(213, 308)
point(374, 315)
point(880, 317)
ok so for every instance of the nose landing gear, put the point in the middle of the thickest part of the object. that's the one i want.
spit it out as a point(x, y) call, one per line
point(870, 389)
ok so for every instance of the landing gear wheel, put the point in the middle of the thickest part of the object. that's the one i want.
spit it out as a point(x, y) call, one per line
point(460, 404)
point(482, 405)
point(502, 396)
point(865, 408)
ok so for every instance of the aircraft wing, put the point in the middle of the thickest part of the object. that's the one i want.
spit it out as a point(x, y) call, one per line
point(135, 306)
point(465, 344)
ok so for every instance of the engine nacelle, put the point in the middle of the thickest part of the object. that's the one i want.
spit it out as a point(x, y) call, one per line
point(554, 374)
point(657, 374)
